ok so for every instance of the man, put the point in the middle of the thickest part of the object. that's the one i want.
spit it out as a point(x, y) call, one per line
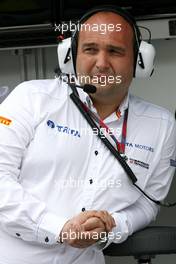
point(63, 195)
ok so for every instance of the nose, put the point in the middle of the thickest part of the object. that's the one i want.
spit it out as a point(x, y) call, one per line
point(102, 61)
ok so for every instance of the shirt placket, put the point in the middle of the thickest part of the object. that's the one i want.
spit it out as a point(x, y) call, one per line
point(91, 177)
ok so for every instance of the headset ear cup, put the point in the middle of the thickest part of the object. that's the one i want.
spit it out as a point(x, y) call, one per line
point(65, 59)
point(145, 60)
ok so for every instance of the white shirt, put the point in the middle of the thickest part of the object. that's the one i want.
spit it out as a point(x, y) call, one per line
point(52, 166)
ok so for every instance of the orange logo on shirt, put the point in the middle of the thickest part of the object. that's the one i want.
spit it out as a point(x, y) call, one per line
point(5, 121)
point(118, 114)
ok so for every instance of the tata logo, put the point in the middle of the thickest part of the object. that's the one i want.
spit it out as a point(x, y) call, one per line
point(139, 146)
point(63, 129)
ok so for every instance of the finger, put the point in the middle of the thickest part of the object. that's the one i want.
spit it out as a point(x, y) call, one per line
point(83, 216)
point(107, 219)
point(97, 234)
point(83, 239)
point(99, 214)
point(92, 223)
point(90, 237)
point(110, 221)
point(103, 216)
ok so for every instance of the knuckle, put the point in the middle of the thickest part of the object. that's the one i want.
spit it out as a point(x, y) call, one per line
point(104, 212)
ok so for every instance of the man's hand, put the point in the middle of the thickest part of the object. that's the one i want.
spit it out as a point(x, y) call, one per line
point(86, 228)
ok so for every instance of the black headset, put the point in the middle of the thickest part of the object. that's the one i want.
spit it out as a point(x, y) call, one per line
point(144, 52)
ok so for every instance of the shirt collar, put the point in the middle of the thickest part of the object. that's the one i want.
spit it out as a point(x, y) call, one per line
point(119, 112)
point(85, 98)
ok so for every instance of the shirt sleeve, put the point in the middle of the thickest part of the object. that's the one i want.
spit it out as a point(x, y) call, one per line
point(164, 163)
point(21, 214)
point(135, 217)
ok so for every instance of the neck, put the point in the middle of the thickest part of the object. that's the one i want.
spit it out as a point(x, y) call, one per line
point(104, 109)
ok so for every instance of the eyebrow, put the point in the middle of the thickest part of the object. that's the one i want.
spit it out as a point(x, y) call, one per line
point(92, 44)
point(116, 48)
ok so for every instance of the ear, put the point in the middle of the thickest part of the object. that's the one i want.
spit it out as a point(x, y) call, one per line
point(145, 60)
point(65, 57)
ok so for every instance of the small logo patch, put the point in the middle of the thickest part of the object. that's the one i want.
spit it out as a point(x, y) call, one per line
point(63, 129)
point(5, 121)
point(139, 163)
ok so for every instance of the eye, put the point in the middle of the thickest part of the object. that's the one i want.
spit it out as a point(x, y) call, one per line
point(116, 52)
point(90, 50)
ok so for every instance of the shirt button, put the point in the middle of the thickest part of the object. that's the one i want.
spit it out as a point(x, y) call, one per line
point(17, 234)
point(91, 181)
point(96, 152)
point(83, 209)
point(46, 239)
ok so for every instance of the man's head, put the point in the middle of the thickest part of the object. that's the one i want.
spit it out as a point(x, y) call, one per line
point(144, 52)
point(106, 59)
point(82, 24)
